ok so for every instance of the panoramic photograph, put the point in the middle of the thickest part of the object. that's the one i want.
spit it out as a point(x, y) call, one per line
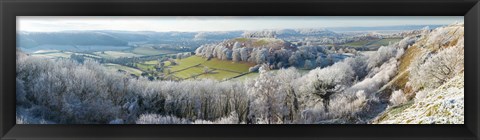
point(240, 70)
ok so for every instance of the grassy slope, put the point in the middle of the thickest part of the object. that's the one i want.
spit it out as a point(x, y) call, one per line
point(187, 62)
point(115, 67)
point(405, 62)
point(239, 67)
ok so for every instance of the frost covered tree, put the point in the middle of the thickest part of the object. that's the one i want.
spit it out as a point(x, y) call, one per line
point(261, 56)
point(20, 91)
point(326, 81)
point(309, 64)
point(294, 59)
point(236, 57)
point(244, 55)
point(273, 99)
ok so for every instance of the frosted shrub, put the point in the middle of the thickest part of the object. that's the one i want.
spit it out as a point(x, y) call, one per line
point(382, 55)
point(21, 120)
point(230, 119)
point(26, 118)
point(400, 52)
point(321, 81)
point(383, 74)
point(404, 43)
point(397, 98)
point(314, 114)
point(159, 119)
point(347, 105)
point(421, 95)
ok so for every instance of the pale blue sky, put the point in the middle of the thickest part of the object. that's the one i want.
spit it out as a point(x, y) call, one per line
point(217, 23)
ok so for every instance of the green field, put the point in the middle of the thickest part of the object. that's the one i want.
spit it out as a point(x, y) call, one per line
point(145, 67)
point(219, 75)
point(386, 41)
point(89, 55)
point(357, 43)
point(189, 72)
point(187, 62)
point(239, 67)
point(151, 51)
point(167, 63)
point(54, 54)
point(241, 39)
point(194, 67)
point(373, 43)
point(116, 54)
point(153, 62)
point(116, 67)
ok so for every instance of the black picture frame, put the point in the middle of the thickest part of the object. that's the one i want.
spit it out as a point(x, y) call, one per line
point(9, 9)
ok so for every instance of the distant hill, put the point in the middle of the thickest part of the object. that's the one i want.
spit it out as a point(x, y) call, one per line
point(290, 33)
point(37, 40)
point(306, 33)
point(31, 40)
point(190, 40)
point(382, 28)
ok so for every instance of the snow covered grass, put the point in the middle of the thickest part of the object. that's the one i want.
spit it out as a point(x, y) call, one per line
point(444, 105)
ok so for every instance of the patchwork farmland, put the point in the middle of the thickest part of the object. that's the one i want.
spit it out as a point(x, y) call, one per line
point(195, 67)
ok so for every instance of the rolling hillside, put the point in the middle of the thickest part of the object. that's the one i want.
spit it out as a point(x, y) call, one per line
point(431, 80)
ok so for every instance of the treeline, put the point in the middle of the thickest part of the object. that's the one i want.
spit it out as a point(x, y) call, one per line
point(307, 57)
